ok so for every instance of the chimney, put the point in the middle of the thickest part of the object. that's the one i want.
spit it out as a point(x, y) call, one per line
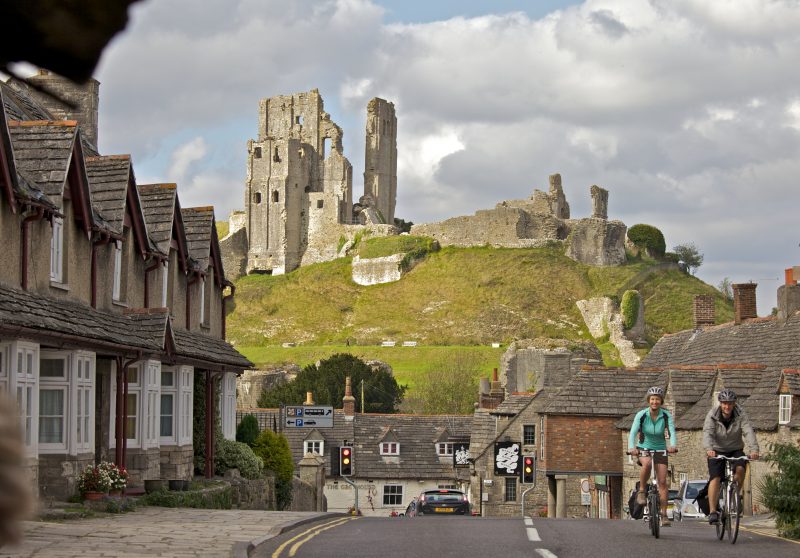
point(309, 398)
point(69, 101)
point(744, 301)
point(495, 396)
point(788, 295)
point(703, 311)
point(348, 401)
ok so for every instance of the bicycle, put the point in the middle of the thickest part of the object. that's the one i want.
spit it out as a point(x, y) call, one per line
point(730, 501)
point(652, 518)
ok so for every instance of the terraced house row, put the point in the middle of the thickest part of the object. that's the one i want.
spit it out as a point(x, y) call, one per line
point(112, 300)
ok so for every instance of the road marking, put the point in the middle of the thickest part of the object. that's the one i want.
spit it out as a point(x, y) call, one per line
point(318, 530)
point(544, 553)
point(767, 534)
point(533, 534)
point(528, 521)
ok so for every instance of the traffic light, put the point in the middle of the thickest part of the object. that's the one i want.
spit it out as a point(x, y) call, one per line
point(346, 461)
point(528, 469)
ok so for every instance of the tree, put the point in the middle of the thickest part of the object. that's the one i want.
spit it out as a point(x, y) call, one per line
point(248, 430)
point(403, 225)
point(725, 286)
point(273, 449)
point(689, 255)
point(648, 238)
point(326, 380)
point(780, 491)
point(450, 387)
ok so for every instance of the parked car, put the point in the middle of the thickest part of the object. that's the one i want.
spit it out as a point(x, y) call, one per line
point(685, 505)
point(443, 500)
point(673, 494)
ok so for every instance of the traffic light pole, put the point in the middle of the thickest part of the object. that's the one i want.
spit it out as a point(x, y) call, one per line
point(529, 489)
point(355, 488)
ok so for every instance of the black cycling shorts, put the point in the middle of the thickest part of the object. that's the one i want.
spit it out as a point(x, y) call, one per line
point(716, 467)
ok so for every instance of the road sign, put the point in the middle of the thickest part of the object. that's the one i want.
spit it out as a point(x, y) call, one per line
point(309, 416)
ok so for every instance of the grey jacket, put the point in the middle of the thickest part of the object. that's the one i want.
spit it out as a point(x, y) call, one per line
point(716, 437)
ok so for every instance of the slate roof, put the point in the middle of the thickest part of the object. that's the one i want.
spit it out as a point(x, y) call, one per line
point(484, 430)
point(50, 318)
point(198, 222)
point(43, 151)
point(512, 404)
point(21, 106)
point(768, 341)
point(195, 345)
point(159, 202)
point(604, 392)
point(109, 178)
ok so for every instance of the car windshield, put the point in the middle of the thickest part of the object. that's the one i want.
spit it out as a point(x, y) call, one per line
point(443, 496)
point(692, 489)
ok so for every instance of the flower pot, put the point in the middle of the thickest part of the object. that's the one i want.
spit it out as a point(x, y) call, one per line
point(92, 495)
point(154, 485)
point(178, 485)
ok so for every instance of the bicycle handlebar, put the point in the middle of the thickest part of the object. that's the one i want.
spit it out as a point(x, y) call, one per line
point(645, 452)
point(743, 458)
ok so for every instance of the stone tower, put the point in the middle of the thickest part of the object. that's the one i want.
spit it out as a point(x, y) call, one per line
point(380, 157)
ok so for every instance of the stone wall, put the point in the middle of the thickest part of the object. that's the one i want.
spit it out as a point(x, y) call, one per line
point(527, 367)
point(252, 494)
point(597, 242)
point(58, 474)
point(602, 316)
point(374, 271)
point(252, 383)
point(177, 462)
point(233, 249)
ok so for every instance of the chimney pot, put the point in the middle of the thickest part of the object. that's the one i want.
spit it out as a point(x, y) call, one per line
point(309, 398)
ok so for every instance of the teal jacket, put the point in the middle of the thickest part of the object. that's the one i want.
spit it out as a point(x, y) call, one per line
point(653, 431)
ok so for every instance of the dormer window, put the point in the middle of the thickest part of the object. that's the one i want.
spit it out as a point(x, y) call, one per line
point(57, 251)
point(784, 408)
point(390, 448)
point(444, 449)
point(313, 446)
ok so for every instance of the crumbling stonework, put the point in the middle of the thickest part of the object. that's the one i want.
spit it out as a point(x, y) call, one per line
point(374, 271)
point(299, 195)
point(543, 218)
point(602, 316)
point(532, 365)
point(252, 383)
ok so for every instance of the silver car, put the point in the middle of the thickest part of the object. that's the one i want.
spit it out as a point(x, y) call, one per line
point(685, 505)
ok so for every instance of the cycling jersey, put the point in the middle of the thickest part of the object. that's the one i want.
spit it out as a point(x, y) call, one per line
point(653, 431)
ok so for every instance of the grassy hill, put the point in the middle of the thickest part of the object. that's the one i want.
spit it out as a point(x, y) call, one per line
point(457, 297)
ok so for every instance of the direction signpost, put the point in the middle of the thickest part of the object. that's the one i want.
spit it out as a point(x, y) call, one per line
point(308, 416)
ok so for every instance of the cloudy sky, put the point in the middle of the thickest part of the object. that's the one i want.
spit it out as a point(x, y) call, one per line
point(687, 111)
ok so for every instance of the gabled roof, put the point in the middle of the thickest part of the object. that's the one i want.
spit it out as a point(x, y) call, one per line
point(198, 222)
point(19, 105)
point(109, 179)
point(768, 341)
point(201, 347)
point(162, 213)
point(611, 392)
point(485, 422)
point(8, 171)
point(512, 404)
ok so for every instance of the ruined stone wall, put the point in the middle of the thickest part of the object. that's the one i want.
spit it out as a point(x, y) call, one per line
point(597, 242)
point(374, 271)
point(380, 157)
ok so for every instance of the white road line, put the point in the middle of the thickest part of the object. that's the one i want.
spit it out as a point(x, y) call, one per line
point(528, 521)
point(544, 553)
point(533, 534)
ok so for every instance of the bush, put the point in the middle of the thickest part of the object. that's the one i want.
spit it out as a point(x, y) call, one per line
point(236, 455)
point(273, 449)
point(248, 430)
point(220, 499)
point(647, 237)
point(630, 308)
point(780, 491)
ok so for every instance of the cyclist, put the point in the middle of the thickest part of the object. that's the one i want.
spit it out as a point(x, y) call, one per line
point(725, 431)
point(654, 426)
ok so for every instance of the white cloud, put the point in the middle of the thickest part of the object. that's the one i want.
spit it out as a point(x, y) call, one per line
point(184, 156)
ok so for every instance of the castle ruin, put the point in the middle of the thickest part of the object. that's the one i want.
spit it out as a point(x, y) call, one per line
point(299, 193)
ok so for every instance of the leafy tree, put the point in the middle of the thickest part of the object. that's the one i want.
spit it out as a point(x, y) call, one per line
point(273, 449)
point(689, 255)
point(780, 491)
point(403, 225)
point(326, 380)
point(450, 387)
point(725, 286)
point(248, 430)
point(649, 238)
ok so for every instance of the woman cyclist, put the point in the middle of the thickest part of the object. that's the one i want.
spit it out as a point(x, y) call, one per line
point(652, 426)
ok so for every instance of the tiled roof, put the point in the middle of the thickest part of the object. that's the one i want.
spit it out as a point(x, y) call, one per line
point(487, 427)
point(197, 222)
point(158, 205)
point(792, 378)
point(43, 152)
point(513, 404)
point(109, 177)
point(20, 106)
point(768, 341)
point(45, 317)
point(191, 344)
point(604, 392)
point(483, 431)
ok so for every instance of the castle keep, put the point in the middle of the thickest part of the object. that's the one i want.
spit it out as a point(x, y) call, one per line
point(299, 192)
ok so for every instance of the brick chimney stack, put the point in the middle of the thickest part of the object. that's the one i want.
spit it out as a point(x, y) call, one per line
point(348, 401)
point(704, 314)
point(744, 301)
point(495, 396)
point(789, 295)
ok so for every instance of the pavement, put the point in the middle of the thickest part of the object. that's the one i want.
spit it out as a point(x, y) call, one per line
point(185, 532)
point(154, 531)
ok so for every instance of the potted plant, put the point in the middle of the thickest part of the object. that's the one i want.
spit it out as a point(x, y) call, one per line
point(117, 475)
point(94, 482)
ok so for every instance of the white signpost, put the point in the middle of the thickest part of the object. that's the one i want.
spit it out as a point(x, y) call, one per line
point(308, 416)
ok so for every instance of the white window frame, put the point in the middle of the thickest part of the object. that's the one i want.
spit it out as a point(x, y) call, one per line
point(55, 384)
point(314, 446)
point(116, 288)
point(392, 492)
point(82, 397)
point(5, 365)
point(151, 400)
point(164, 283)
point(171, 390)
point(143, 423)
point(228, 405)
point(444, 449)
point(390, 448)
point(57, 250)
point(203, 300)
point(784, 408)
point(23, 373)
point(185, 405)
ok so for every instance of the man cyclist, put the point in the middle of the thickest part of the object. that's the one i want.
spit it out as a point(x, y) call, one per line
point(653, 425)
point(725, 431)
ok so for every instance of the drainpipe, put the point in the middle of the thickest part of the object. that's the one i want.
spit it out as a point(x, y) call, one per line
point(147, 271)
point(224, 300)
point(189, 284)
point(25, 233)
point(104, 239)
point(125, 414)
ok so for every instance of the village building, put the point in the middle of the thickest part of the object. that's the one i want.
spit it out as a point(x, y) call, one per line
point(112, 300)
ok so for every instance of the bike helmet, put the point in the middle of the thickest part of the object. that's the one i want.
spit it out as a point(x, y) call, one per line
point(655, 390)
point(727, 396)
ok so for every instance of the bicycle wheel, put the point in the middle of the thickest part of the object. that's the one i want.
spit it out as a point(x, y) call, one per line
point(722, 510)
point(734, 512)
point(655, 513)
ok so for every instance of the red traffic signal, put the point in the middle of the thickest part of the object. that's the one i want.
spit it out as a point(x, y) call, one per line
point(528, 469)
point(346, 461)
